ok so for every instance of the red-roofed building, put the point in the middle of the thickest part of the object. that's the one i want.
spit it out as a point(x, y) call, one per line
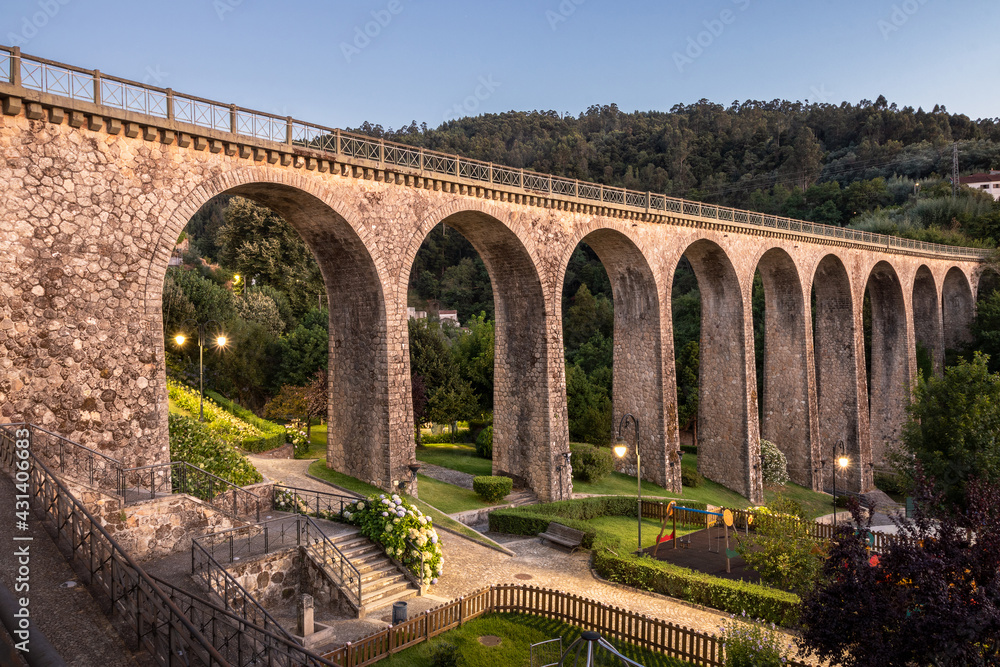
point(989, 182)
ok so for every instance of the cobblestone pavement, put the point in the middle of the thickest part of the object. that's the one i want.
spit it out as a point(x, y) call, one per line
point(290, 472)
point(462, 479)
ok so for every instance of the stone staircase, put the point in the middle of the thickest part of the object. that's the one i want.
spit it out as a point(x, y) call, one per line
point(382, 581)
point(519, 497)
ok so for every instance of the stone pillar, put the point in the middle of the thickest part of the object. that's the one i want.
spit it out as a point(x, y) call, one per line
point(927, 327)
point(785, 418)
point(638, 358)
point(841, 386)
point(890, 367)
point(728, 439)
point(304, 623)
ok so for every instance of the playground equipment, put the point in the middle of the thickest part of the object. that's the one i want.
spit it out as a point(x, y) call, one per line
point(671, 515)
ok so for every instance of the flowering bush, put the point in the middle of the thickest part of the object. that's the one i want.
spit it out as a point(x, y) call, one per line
point(404, 532)
point(296, 431)
point(773, 464)
point(286, 501)
point(751, 643)
point(230, 427)
point(192, 441)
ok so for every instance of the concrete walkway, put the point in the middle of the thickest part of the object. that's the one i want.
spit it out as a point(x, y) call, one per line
point(458, 478)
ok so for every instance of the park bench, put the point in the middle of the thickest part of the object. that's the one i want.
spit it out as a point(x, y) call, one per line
point(563, 536)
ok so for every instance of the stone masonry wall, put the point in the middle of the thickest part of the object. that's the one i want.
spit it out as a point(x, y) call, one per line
point(94, 198)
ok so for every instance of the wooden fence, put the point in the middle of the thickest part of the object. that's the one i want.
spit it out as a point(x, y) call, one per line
point(612, 622)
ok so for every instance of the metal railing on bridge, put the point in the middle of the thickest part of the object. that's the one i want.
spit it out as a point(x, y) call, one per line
point(93, 86)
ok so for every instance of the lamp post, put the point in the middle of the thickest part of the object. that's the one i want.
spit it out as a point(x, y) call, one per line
point(620, 450)
point(840, 461)
point(220, 341)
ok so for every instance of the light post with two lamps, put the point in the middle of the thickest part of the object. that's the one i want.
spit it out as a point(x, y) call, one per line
point(620, 449)
point(220, 341)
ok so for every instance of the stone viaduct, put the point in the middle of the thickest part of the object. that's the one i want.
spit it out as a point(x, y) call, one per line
point(100, 175)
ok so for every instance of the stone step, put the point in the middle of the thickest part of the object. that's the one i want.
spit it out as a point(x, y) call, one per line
point(387, 600)
point(389, 581)
point(380, 594)
point(386, 570)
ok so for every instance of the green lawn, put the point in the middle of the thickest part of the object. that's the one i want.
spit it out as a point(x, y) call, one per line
point(317, 442)
point(175, 409)
point(447, 497)
point(626, 529)
point(319, 469)
point(456, 457)
point(517, 633)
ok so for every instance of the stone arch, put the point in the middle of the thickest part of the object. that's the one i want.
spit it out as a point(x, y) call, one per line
point(530, 433)
point(987, 281)
point(927, 316)
point(638, 385)
point(359, 429)
point(785, 417)
point(726, 437)
point(889, 392)
point(835, 350)
point(958, 307)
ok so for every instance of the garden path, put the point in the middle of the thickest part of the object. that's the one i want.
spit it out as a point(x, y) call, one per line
point(470, 566)
point(456, 477)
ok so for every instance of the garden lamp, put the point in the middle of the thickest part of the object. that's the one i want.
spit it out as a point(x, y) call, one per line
point(220, 341)
point(621, 449)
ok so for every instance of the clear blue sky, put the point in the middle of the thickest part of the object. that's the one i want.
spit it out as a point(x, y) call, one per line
point(426, 61)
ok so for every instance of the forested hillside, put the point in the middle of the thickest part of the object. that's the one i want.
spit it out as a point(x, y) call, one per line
point(870, 165)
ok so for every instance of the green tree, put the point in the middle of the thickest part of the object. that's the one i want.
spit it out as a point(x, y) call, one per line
point(473, 355)
point(303, 351)
point(466, 287)
point(255, 306)
point(588, 407)
point(953, 431)
point(687, 386)
point(781, 549)
point(985, 329)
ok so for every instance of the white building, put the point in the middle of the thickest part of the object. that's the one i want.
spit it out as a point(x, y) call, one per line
point(989, 182)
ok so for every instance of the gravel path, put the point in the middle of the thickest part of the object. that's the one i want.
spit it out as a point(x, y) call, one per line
point(462, 479)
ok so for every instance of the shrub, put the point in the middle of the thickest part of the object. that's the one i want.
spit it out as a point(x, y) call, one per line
point(492, 488)
point(296, 435)
point(445, 438)
point(731, 596)
point(403, 532)
point(774, 465)
point(484, 443)
point(196, 443)
point(690, 449)
point(234, 429)
point(445, 655)
point(272, 435)
point(891, 483)
point(476, 426)
point(590, 463)
point(750, 643)
point(691, 477)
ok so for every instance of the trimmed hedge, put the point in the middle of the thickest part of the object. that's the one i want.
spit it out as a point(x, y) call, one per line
point(273, 434)
point(445, 438)
point(692, 478)
point(590, 463)
point(492, 488)
point(768, 604)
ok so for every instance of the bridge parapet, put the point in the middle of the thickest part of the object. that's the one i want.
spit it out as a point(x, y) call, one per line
point(91, 90)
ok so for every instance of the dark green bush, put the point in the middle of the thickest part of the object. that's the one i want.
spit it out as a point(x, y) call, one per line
point(192, 441)
point(647, 574)
point(484, 443)
point(476, 426)
point(445, 655)
point(492, 488)
point(445, 438)
point(891, 483)
point(690, 449)
point(590, 463)
point(691, 477)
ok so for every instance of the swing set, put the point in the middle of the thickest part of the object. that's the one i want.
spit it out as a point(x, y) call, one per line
point(711, 525)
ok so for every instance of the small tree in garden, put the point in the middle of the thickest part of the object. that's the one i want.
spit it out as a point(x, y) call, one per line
point(932, 599)
point(774, 465)
point(781, 549)
point(752, 643)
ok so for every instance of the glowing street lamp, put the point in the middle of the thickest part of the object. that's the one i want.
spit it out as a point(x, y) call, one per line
point(621, 449)
point(220, 341)
point(841, 462)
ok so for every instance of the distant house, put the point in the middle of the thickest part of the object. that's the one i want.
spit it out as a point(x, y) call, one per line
point(415, 314)
point(982, 181)
point(448, 316)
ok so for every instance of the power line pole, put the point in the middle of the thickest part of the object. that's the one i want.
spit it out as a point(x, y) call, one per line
point(954, 170)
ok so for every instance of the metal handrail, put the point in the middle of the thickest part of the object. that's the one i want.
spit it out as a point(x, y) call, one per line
point(271, 644)
point(92, 86)
point(305, 495)
point(182, 635)
point(136, 478)
point(269, 540)
point(95, 462)
point(249, 607)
